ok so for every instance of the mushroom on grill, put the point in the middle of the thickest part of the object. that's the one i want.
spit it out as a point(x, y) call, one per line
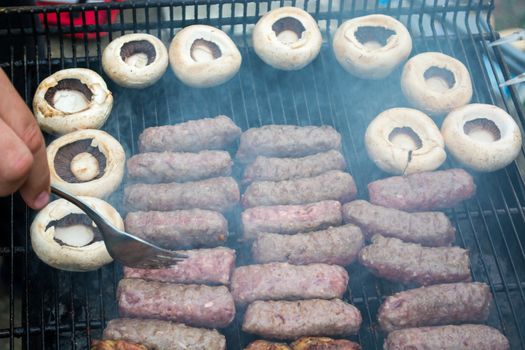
point(481, 136)
point(135, 60)
point(72, 99)
point(287, 38)
point(370, 47)
point(405, 141)
point(204, 56)
point(64, 237)
point(436, 83)
point(86, 163)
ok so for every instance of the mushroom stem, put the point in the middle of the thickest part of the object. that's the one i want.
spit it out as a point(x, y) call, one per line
point(85, 166)
point(74, 236)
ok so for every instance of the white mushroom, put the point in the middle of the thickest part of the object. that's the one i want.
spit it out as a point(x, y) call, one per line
point(72, 99)
point(436, 83)
point(135, 60)
point(371, 47)
point(86, 163)
point(204, 56)
point(287, 38)
point(483, 137)
point(64, 237)
point(405, 141)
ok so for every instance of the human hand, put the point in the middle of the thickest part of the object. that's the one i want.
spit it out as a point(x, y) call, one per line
point(23, 162)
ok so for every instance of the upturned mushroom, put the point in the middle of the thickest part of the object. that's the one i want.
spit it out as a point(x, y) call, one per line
point(135, 60)
point(436, 83)
point(287, 38)
point(72, 99)
point(64, 237)
point(204, 56)
point(86, 163)
point(371, 47)
point(405, 141)
point(482, 137)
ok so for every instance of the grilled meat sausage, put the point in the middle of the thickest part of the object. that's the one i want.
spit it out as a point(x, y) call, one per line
point(178, 166)
point(290, 219)
point(332, 185)
point(287, 141)
point(323, 343)
point(335, 245)
point(180, 228)
point(192, 304)
point(203, 266)
point(426, 228)
point(398, 261)
point(266, 345)
point(276, 281)
point(191, 136)
point(279, 169)
point(294, 319)
point(464, 337)
point(440, 304)
point(157, 334)
point(219, 194)
point(116, 345)
point(423, 191)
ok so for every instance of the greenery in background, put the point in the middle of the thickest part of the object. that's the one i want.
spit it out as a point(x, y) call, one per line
point(509, 14)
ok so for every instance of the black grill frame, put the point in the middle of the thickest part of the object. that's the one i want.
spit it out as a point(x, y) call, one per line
point(67, 310)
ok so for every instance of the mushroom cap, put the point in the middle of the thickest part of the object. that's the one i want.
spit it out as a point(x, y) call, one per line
point(205, 73)
point(65, 257)
point(482, 154)
point(290, 56)
point(396, 159)
point(371, 63)
point(133, 76)
point(418, 92)
point(56, 121)
point(113, 171)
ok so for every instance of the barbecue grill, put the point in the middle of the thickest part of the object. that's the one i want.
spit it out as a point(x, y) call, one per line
point(51, 309)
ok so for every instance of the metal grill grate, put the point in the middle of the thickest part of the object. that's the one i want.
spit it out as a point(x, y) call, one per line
point(51, 309)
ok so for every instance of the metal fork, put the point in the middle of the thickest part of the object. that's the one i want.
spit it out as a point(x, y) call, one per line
point(123, 247)
point(516, 36)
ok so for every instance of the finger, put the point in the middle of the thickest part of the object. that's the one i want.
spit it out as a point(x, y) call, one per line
point(14, 112)
point(16, 161)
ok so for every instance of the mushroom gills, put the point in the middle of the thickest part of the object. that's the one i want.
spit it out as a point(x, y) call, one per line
point(405, 138)
point(79, 161)
point(204, 51)
point(482, 129)
point(288, 30)
point(439, 79)
point(69, 96)
point(138, 53)
point(75, 230)
point(373, 37)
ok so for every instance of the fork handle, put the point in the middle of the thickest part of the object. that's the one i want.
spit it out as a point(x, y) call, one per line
point(93, 215)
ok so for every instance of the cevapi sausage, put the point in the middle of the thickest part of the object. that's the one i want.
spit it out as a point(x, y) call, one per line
point(423, 191)
point(192, 304)
point(335, 245)
point(157, 334)
point(426, 228)
point(219, 194)
point(202, 266)
point(178, 166)
point(294, 319)
point(440, 304)
point(279, 169)
point(276, 281)
point(332, 185)
point(266, 345)
point(192, 228)
point(191, 136)
point(290, 219)
point(464, 337)
point(286, 141)
point(398, 261)
point(324, 343)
